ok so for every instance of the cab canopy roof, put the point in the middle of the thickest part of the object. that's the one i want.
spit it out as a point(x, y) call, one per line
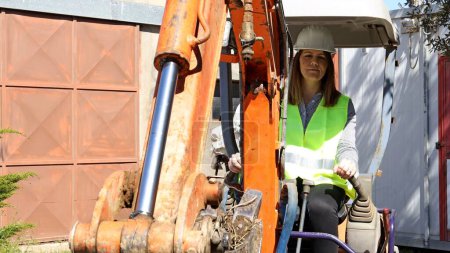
point(353, 23)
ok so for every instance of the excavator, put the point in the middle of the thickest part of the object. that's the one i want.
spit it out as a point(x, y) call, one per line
point(174, 206)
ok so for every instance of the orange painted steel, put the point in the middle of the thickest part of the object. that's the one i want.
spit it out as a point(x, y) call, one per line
point(190, 117)
point(177, 38)
point(182, 190)
point(83, 237)
point(197, 193)
point(261, 110)
point(108, 237)
point(260, 171)
point(229, 58)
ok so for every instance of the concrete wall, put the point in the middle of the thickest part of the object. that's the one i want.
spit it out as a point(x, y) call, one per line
point(152, 2)
point(409, 182)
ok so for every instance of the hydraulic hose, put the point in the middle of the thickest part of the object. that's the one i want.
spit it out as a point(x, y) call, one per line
point(226, 109)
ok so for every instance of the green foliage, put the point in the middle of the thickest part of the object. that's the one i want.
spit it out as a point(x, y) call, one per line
point(9, 131)
point(434, 14)
point(10, 231)
point(8, 185)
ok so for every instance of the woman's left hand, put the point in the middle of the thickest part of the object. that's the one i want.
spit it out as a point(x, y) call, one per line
point(234, 164)
point(345, 169)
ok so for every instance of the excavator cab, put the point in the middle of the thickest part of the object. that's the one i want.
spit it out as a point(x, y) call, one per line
point(175, 206)
point(355, 24)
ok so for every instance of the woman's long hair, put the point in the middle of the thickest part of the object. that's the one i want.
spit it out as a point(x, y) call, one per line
point(328, 86)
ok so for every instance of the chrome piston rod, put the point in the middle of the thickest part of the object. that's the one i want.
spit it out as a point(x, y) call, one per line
point(157, 140)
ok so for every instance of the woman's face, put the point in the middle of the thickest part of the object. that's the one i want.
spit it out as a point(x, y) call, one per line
point(313, 65)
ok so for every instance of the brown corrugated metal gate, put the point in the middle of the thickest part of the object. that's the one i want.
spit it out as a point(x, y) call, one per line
point(71, 86)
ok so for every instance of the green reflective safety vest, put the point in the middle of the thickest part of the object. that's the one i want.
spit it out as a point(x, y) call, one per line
point(311, 154)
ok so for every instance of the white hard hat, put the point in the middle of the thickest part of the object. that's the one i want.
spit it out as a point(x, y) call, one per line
point(315, 37)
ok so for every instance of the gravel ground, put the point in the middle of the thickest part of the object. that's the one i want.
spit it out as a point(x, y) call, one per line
point(53, 247)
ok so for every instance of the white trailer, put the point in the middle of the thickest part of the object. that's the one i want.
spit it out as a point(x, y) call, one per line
point(413, 170)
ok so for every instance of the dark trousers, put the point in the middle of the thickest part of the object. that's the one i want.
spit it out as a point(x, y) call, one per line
point(324, 202)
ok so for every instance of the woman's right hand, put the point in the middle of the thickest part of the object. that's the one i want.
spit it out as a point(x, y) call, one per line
point(345, 169)
point(234, 163)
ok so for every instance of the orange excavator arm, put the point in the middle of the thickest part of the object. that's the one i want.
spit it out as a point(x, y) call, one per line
point(262, 51)
point(170, 194)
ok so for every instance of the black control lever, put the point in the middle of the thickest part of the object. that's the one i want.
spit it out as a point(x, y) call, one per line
point(362, 195)
point(363, 210)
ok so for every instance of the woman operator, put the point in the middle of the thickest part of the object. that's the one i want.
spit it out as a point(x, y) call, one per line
point(320, 134)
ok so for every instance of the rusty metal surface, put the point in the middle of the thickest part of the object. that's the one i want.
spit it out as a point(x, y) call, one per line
point(188, 127)
point(47, 127)
point(89, 179)
point(126, 236)
point(44, 200)
point(134, 237)
point(106, 56)
point(261, 111)
point(65, 82)
point(77, 237)
point(108, 237)
point(266, 58)
point(197, 190)
point(111, 236)
point(38, 50)
point(177, 33)
point(105, 120)
point(182, 157)
point(180, 36)
point(160, 237)
point(106, 208)
point(199, 239)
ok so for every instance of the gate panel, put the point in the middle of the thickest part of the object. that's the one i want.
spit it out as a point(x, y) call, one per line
point(44, 116)
point(38, 50)
point(106, 55)
point(71, 87)
point(105, 120)
point(44, 200)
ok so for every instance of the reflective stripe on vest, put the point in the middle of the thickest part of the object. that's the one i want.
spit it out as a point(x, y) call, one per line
point(295, 157)
point(311, 154)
